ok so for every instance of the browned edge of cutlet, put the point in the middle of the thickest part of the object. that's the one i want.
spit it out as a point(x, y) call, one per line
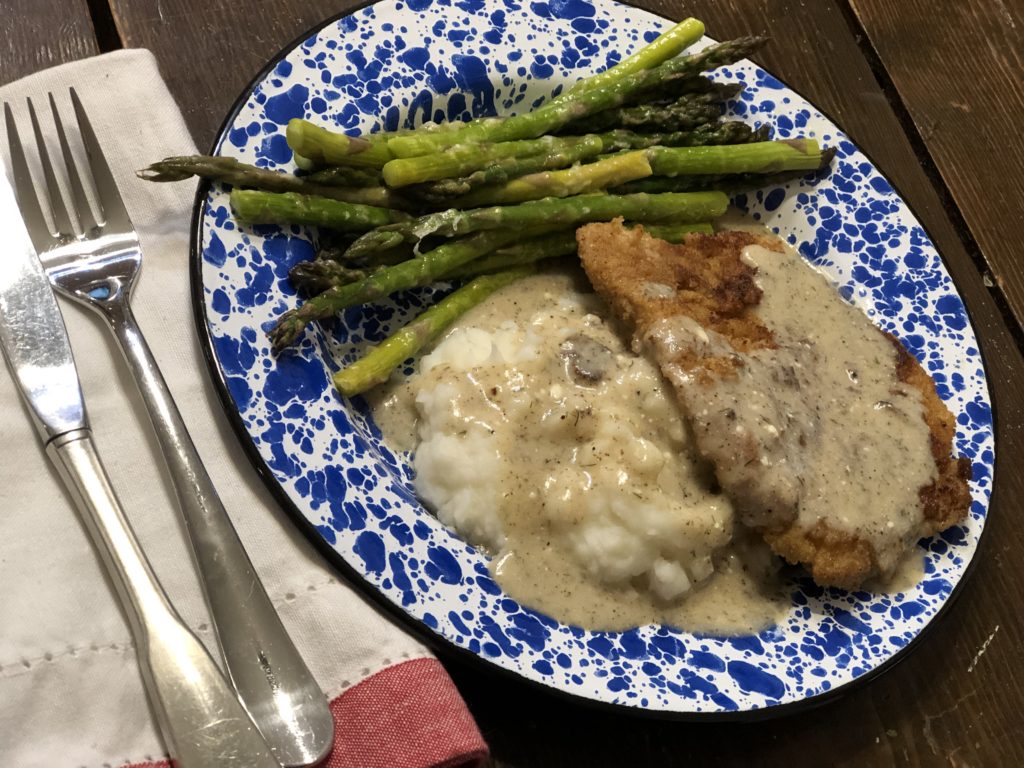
point(710, 285)
point(714, 287)
point(837, 559)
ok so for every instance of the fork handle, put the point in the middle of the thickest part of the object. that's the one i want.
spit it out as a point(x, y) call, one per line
point(202, 722)
point(263, 664)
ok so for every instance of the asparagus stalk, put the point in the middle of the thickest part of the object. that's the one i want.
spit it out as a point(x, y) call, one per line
point(310, 278)
point(423, 270)
point(592, 177)
point(387, 257)
point(729, 132)
point(663, 95)
point(664, 47)
point(466, 158)
point(562, 243)
point(656, 185)
point(684, 114)
point(333, 253)
point(319, 275)
point(577, 104)
point(760, 157)
point(381, 197)
point(231, 171)
point(257, 207)
point(376, 366)
point(512, 167)
point(725, 182)
point(568, 211)
point(225, 169)
point(667, 45)
point(765, 157)
point(346, 176)
point(323, 147)
point(432, 127)
point(313, 277)
point(672, 89)
point(302, 163)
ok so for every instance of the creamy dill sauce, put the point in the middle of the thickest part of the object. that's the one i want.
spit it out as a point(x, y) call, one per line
point(394, 412)
point(742, 596)
point(542, 438)
point(908, 573)
point(823, 416)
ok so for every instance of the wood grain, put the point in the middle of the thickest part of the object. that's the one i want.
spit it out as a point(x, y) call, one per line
point(958, 699)
point(959, 70)
point(209, 51)
point(35, 34)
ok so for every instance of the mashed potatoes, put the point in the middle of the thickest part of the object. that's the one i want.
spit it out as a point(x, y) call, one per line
point(541, 436)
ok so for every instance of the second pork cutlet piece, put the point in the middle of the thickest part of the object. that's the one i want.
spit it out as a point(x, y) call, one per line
point(828, 436)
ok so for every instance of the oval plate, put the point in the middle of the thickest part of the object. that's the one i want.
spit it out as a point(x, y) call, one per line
point(324, 459)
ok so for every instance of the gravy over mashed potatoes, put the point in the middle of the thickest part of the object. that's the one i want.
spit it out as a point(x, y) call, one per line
point(542, 438)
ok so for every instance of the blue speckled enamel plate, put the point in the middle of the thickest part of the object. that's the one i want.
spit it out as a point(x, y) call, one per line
point(397, 63)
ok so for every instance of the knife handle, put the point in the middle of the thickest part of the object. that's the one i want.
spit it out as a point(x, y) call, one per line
point(202, 722)
point(263, 664)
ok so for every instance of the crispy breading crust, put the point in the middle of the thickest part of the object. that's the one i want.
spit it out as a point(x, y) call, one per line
point(714, 287)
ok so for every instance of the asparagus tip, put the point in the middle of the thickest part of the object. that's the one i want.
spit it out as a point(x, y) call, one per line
point(161, 171)
point(287, 330)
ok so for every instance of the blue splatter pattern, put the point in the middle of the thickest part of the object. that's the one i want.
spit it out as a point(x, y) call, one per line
point(397, 64)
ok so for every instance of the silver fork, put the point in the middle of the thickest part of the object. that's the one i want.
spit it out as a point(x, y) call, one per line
point(96, 264)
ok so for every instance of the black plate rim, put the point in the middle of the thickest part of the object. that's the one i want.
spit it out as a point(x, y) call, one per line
point(432, 638)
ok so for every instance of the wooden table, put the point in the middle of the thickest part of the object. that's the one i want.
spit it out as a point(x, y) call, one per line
point(933, 95)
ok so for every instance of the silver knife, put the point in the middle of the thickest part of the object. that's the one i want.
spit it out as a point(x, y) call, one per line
point(202, 722)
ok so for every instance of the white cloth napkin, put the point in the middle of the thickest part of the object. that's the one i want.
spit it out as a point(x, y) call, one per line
point(70, 691)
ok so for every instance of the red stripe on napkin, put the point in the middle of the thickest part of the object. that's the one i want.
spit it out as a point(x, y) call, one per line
point(409, 715)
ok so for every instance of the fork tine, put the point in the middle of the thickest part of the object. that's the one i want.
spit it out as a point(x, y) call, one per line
point(112, 206)
point(24, 188)
point(80, 200)
point(61, 219)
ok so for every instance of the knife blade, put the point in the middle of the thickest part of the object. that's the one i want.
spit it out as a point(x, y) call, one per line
point(203, 723)
point(32, 332)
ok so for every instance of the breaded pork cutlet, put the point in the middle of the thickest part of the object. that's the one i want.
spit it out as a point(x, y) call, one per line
point(816, 464)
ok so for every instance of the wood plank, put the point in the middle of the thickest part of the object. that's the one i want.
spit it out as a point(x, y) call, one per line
point(226, 44)
point(35, 34)
point(959, 69)
point(945, 704)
